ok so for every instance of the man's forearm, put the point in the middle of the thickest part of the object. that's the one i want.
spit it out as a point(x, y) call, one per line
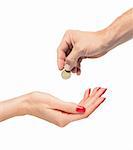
point(13, 107)
point(120, 31)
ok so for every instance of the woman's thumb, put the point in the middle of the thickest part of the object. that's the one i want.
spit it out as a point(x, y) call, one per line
point(72, 108)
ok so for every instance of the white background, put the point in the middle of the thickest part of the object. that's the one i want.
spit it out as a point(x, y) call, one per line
point(30, 31)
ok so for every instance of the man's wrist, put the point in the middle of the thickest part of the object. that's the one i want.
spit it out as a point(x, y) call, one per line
point(106, 38)
point(120, 31)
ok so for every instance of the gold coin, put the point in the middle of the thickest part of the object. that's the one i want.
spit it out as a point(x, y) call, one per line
point(66, 74)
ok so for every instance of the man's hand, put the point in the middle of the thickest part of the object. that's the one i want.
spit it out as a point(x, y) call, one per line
point(77, 45)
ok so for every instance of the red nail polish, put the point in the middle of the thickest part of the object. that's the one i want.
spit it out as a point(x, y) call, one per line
point(104, 99)
point(80, 109)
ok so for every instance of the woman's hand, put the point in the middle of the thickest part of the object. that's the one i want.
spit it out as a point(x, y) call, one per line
point(61, 113)
point(38, 104)
point(50, 108)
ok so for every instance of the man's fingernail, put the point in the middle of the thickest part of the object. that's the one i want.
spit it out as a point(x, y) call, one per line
point(67, 67)
point(80, 109)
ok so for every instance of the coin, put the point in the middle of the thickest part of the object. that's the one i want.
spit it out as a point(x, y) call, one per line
point(66, 74)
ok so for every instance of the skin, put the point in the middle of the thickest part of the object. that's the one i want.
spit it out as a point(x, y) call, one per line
point(50, 108)
point(77, 45)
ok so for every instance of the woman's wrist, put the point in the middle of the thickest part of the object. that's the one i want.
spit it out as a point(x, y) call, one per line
point(14, 107)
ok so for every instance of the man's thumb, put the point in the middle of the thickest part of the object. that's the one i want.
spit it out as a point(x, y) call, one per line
point(71, 60)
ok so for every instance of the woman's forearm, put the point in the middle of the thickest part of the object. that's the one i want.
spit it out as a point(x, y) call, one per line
point(120, 31)
point(13, 107)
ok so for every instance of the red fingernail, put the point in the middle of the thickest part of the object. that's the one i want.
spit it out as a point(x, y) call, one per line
point(104, 99)
point(80, 109)
point(89, 92)
point(105, 89)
